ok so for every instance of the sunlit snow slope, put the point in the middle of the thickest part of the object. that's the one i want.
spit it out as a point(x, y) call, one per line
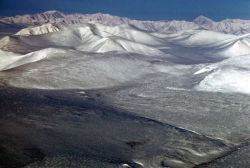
point(93, 55)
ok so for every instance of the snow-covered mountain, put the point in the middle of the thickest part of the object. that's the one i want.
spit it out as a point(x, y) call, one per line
point(202, 20)
point(199, 50)
point(106, 19)
point(232, 26)
point(116, 50)
point(108, 70)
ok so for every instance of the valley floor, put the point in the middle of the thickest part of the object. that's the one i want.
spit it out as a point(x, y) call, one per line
point(72, 128)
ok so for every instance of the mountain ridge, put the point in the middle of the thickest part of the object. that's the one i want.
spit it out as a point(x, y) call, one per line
point(229, 26)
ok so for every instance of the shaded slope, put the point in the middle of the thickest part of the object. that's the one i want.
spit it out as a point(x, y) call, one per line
point(82, 128)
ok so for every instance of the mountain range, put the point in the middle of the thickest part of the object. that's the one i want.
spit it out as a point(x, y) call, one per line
point(230, 26)
point(97, 90)
point(199, 52)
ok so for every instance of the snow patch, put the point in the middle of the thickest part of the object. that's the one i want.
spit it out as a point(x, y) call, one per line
point(9, 60)
point(226, 80)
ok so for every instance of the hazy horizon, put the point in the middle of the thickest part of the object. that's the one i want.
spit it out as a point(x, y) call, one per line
point(135, 9)
point(33, 13)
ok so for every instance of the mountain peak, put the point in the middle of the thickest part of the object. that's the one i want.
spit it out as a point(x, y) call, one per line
point(202, 20)
point(54, 13)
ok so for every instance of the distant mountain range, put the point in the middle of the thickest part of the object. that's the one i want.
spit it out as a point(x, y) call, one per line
point(229, 26)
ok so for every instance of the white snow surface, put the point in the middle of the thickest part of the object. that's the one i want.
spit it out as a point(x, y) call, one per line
point(230, 75)
point(11, 60)
point(124, 54)
point(226, 80)
point(101, 38)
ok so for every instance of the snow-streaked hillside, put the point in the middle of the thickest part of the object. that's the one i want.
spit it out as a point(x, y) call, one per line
point(69, 69)
point(38, 30)
point(122, 54)
point(88, 38)
point(230, 75)
point(11, 60)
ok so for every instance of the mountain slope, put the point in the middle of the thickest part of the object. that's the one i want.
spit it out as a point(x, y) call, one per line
point(230, 75)
point(38, 30)
point(195, 45)
point(188, 57)
point(85, 37)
